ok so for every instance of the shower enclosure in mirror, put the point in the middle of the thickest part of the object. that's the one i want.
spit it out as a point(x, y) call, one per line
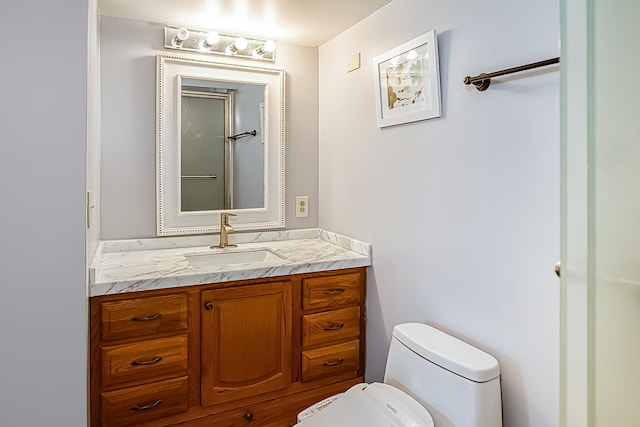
point(220, 145)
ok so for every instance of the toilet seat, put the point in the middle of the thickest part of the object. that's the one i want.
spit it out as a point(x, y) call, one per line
point(371, 405)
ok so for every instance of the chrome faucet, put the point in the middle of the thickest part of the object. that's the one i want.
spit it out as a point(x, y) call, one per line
point(225, 230)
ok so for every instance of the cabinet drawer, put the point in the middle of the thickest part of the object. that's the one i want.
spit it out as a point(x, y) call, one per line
point(266, 415)
point(331, 360)
point(331, 291)
point(136, 405)
point(144, 360)
point(143, 316)
point(330, 326)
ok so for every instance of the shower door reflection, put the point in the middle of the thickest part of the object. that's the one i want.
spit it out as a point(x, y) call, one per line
point(221, 146)
point(204, 152)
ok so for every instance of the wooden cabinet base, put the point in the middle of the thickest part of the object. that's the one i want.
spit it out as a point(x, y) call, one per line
point(276, 412)
point(252, 352)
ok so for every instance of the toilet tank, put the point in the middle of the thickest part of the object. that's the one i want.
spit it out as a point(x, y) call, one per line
point(458, 384)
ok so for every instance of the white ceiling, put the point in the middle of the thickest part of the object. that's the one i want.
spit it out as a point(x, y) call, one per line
point(301, 22)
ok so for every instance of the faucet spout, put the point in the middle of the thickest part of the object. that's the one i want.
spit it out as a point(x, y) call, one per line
point(225, 230)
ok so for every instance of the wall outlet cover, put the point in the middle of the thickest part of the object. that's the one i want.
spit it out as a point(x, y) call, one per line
point(354, 62)
point(302, 206)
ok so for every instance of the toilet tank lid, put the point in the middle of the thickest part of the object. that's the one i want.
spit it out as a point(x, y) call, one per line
point(448, 352)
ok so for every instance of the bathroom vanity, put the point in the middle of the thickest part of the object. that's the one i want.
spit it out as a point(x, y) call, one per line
point(187, 340)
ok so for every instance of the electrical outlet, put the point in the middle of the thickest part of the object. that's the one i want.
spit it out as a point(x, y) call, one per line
point(302, 206)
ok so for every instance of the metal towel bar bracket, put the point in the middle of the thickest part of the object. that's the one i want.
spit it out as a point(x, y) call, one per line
point(243, 134)
point(482, 81)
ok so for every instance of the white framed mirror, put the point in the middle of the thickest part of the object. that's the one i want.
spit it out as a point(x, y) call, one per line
point(220, 145)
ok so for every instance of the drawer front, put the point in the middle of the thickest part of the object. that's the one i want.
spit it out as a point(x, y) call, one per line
point(143, 316)
point(330, 292)
point(331, 360)
point(136, 405)
point(267, 414)
point(144, 360)
point(330, 326)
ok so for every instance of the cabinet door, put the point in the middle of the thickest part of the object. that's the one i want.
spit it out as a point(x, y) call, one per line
point(246, 341)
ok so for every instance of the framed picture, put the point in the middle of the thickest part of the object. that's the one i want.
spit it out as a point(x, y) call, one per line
point(408, 82)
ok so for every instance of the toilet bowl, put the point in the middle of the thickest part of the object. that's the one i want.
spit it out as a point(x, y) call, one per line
point(431, 379)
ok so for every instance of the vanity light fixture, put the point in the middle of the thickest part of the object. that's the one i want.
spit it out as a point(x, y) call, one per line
point(211, 42)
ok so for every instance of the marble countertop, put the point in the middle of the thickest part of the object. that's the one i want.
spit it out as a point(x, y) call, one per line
point(139, 265)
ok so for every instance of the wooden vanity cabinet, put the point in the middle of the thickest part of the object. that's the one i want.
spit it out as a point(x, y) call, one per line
point(252, 352)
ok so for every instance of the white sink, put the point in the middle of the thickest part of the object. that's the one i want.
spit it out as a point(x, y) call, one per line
point(233, 257)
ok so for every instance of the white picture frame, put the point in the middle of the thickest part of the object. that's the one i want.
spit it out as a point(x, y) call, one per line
point(408, 82)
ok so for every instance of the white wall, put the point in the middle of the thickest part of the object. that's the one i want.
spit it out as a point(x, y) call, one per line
point(462, 211)
point(128, 66)
point(43, 132)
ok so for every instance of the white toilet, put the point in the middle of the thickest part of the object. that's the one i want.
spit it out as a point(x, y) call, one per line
point(431, 379)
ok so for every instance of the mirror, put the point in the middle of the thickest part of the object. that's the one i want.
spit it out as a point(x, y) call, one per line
point(220, 145)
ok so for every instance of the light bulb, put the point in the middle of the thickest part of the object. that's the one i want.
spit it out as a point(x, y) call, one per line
point(412, 54)
point(180, 37)
point(212, 38)
point(269, 46)
point(241, 43)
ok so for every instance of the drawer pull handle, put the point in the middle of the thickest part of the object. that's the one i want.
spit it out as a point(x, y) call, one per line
point(147, 318)
point(333, 362)
point(335, 291)
point(334, 327)
point(146, 362)
point(248, 416)
point(146, 407)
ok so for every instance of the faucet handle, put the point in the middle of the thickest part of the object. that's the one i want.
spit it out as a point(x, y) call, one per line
point(224, 217)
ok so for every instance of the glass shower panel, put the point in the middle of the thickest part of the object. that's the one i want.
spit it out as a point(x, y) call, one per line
point(616, 212)
point(202, 151)
point(601, 214)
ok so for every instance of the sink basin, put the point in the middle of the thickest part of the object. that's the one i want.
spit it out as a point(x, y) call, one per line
point(233, 257)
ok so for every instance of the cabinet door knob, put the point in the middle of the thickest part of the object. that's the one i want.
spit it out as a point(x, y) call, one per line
point(248, 416)
point(208, 306)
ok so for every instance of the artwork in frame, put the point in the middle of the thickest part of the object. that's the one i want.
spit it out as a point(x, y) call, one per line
point(408, 82)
